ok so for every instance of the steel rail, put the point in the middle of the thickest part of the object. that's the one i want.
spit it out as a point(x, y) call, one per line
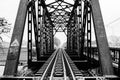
point(46, 71)
point(73, 76)
point(60, 55)
point(64, 69)
point(51, 76)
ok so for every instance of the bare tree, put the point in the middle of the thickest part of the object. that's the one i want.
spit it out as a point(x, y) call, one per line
point(4, 28)
point(115, 41)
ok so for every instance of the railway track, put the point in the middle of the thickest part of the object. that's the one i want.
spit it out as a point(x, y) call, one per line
point(60, 67)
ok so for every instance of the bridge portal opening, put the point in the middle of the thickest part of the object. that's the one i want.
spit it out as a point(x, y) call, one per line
point(71, 19)
point(60, 39)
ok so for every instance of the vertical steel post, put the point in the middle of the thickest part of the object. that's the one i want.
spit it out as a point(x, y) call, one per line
point(83, 29)
point(16, 40)
point(29, 35)
point(79, 25)
point(44, 33)
point(39, 29)
point(119, 64)
point(35, 28)
point(102, 43)
point(88, 31)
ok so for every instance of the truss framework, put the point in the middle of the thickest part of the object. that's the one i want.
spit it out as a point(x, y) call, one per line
point(47, 19)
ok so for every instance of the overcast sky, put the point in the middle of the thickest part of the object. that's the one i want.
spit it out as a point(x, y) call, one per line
point(110, 11)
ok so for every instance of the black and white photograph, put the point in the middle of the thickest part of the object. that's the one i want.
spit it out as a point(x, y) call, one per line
point(59, 39)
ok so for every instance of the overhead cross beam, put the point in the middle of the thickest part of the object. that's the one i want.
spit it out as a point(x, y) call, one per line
point(72, 12)
point(60, 15)
point(47, 13)
point(46, 35)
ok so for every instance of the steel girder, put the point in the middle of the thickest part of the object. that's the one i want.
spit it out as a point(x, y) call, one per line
point(76, 21)
point(74, 25)
point(16, 40)
point(90, 6)
point(102, 43)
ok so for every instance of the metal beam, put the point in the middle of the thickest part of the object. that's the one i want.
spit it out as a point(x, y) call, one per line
point(83, 28)
point(16, 40)
point(102, 43)
point(30, 25)
point(72, 12)
point(47, 13)
point(119, 65)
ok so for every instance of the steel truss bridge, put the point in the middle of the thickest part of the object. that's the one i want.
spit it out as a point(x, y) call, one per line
point(79, 60)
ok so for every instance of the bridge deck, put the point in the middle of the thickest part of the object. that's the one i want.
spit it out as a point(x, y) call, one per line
point(59, 66)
